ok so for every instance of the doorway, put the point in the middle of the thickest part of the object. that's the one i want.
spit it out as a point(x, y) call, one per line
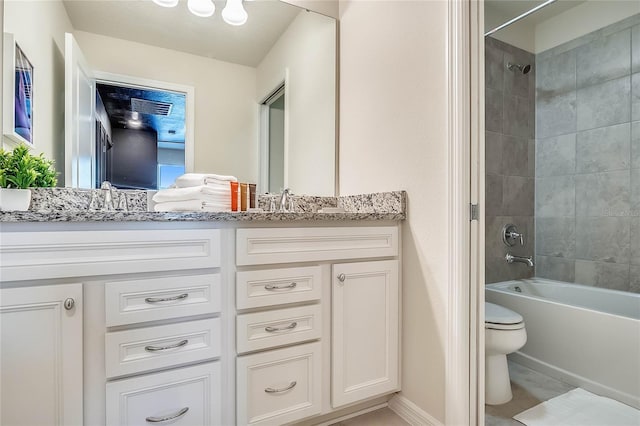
point(140, 136)
point(273, 141)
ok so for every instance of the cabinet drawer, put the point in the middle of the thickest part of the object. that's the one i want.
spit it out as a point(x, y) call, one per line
point(279, 386)
point(191, 395)
point(270, 287)
point(128, 302)
point(150, 348)
point(257, 246)
point(280, 327)
point(46, 255)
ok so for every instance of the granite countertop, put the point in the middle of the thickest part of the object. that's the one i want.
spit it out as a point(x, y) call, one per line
point(61, 205)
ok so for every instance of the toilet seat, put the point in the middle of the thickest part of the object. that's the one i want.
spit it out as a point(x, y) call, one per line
point(498, 317)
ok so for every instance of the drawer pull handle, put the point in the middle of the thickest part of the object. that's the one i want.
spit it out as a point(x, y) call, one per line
point(271, 287)
point(167, 418)
point(275, 329)
point(272, 390)
point(164, 348)
point(166, 299)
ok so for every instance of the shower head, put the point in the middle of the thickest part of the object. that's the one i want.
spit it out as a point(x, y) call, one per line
point(524, 69)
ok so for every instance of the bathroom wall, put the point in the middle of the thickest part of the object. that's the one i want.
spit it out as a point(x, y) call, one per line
point(39, 27)
point(226, 115)
point(509, 157)
point(588, 159)
point(393, 135)
point(310, 100)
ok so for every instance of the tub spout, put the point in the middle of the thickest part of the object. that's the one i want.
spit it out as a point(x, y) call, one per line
point(521, 259)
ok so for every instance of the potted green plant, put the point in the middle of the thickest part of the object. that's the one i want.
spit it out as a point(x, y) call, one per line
point(19, 171)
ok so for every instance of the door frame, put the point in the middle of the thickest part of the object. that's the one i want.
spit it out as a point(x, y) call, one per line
point(464, 374)
point(145, 83)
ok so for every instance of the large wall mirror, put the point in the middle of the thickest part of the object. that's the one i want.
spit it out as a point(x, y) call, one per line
point(154, 91)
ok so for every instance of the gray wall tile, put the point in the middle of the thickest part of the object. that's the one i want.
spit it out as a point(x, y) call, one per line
point(603, 149)
point(555, 268)
point(635, 240)
point(604, 104)
point(556, 236)
point(495, 247)
point(555, 196)
point(635, 97)
point(603, 239)
point(518, 196)
point(605, 275)
point(603, 194)
point(493, 110)
point(556, 115)
point(531, 167)
point(604, 59)
point(556, 156)
point(635, 49)
point(516, 116)
point(556, 75)
point(515, 156)
point(634, 285)
point(635, 144)
point(498, 270)
point(635, 193)
point(494, 68)
point(493, 195)
point(493, 152)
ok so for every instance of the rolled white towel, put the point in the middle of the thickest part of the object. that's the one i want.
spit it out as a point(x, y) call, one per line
point(197, 179)
point(191, 206)
point(202, 193)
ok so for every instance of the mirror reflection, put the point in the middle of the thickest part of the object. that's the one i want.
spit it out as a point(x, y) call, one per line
point(226, 74)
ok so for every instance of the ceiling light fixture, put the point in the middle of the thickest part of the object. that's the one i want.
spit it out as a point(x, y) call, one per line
point(234, 13)
point(166, 3)
point(201, 8)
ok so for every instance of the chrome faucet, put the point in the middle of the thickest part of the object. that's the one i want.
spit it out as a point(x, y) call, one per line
point(519, 259)
point(284, 200)
point(107, 196)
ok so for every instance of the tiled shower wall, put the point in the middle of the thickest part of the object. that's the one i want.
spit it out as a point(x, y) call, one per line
point(587, 165)
point(510, 152)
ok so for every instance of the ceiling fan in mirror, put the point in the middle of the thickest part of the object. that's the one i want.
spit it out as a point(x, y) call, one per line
point(233, 12)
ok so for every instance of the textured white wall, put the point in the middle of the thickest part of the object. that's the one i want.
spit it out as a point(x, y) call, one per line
point(39, 27)
point(226, 113)
point(393, 135)
point(307, 50)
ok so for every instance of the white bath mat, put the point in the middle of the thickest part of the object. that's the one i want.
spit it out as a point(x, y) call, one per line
point(580, 408)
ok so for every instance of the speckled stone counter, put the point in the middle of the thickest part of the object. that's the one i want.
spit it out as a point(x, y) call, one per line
point(369, 207)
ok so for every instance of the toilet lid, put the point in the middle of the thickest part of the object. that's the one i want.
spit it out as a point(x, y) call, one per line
point(496, 314)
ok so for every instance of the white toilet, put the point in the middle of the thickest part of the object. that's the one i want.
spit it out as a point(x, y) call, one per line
point(504, 333)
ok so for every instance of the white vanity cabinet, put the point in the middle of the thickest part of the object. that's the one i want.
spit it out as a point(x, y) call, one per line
point(287, 278)
point(41, 355)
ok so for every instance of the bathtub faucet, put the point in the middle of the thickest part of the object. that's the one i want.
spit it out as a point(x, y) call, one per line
point(521, 259)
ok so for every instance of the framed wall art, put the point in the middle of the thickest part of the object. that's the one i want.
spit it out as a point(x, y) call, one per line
point(18, 93)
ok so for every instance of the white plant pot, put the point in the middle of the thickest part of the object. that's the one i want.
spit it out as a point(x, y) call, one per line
point(14, 199)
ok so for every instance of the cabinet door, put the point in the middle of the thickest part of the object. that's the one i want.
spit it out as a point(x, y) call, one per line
point(41, 355)
point(365, 331)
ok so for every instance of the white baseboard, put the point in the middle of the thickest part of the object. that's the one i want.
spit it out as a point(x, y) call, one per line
point(411, 413)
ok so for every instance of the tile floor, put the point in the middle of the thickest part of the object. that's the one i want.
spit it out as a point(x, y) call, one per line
point(381, 417)
point(529, 388)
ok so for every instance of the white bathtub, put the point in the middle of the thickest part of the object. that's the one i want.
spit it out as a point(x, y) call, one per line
point(585, 336)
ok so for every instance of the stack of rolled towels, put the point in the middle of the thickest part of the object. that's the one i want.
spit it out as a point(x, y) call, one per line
point(194, 192)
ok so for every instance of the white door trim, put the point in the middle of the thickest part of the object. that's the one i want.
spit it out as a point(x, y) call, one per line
point(189, 136)
point(461, 396)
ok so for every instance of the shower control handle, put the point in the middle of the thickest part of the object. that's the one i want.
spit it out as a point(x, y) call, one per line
point(511, 236)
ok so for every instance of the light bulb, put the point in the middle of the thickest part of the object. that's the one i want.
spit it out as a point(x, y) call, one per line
point(202, 8)
point(166, 3)
point(233, 13)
